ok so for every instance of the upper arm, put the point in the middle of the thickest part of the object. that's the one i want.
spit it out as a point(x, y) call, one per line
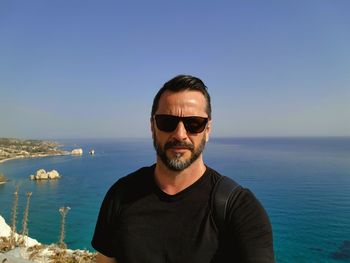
point(251, 228)
point(103, 239)
point(100, 258)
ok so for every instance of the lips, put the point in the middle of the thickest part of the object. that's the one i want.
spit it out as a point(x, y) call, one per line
point(180, 146)
point(180, 151)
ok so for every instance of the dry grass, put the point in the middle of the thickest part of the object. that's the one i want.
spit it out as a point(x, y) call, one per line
point(25, 216)
point(34, 251)
point(3, 178)
point(55, 253)
point(5, 244)
point(13, 240)
point(63, 211)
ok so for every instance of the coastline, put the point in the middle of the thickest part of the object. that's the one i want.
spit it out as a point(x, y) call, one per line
point(13, 149)
point(33, 251)
point(34, 156)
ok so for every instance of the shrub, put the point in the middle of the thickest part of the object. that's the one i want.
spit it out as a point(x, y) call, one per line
point(2, 178)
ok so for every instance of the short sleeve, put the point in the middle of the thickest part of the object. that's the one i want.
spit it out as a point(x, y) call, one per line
point(104, 234)
point(250, 226)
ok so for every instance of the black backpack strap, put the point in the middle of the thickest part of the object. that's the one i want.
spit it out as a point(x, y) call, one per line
point(223, 190)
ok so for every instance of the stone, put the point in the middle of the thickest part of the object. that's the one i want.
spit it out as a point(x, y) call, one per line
point(53, 174)
point(41, 174)
point(77, 151)
point(5, 231)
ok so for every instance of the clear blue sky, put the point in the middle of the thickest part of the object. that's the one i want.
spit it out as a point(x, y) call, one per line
point(90, 69)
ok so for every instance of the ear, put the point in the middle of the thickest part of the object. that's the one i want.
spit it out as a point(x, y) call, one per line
point(208, 130)
point(152, 124)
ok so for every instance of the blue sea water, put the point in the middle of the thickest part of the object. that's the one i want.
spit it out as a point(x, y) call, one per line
point(303, 183)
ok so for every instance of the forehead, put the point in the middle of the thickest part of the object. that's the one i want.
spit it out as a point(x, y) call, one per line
point(188, 102)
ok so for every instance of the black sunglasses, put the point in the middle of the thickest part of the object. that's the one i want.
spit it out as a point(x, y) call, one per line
point(168, 123)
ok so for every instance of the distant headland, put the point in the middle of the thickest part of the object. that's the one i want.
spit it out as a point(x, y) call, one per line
point(11, 148)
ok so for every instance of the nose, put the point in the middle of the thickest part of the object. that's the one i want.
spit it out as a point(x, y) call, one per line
point(180, 132)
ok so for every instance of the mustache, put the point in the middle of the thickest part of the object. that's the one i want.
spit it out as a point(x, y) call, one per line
point(180, 144)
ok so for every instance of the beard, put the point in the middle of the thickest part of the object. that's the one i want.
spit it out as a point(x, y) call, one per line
point(177, 163)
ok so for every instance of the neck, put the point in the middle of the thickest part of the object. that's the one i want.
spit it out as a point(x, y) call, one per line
point(173, 182)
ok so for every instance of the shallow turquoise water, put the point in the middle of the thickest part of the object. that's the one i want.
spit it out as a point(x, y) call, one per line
point(304, 184)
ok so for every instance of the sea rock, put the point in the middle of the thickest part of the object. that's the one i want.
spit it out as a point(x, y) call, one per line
point(77, 151)
point(41, 174)
point(53, 174)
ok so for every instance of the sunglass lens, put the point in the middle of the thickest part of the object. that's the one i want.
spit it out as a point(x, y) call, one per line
point(195, 124)
point(166, 123)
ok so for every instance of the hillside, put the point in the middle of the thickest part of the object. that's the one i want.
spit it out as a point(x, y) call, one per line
point(16, 148)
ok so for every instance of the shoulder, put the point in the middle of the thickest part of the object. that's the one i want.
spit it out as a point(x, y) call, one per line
point(244, 209)
point(241, 196)
point(133, 179)
point(213, 174)
point(247, 214)
point(251, 227)
point(245, 199)
point(132, 185)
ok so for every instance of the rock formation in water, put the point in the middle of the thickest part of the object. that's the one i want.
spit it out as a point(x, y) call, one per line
point(77, 151)
point(41, 174)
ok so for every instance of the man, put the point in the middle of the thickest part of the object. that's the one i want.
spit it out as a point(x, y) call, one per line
point(162, 213)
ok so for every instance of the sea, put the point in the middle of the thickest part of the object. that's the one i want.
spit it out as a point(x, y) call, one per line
point(303, 183)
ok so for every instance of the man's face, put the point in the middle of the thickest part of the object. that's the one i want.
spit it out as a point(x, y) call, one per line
point(178, 149)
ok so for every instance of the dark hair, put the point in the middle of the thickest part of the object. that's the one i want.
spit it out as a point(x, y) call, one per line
point(181, 83)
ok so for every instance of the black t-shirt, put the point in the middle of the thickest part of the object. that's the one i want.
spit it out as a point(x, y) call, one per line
point(140, 223)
